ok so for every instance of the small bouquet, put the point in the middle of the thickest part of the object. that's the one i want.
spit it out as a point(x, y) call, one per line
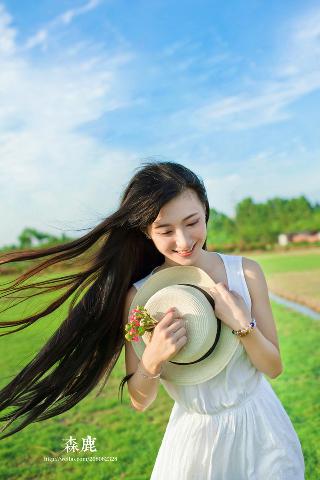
point(140, 322)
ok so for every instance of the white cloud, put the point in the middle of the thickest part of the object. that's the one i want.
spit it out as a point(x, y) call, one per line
point(307, 28)
point(175, 47)
point(222, 190)
point(276, 173)
point(69, 15)
point(262, 176)
point(49, 166)
point(7, 33)
point(245, 111)
point(40, 38)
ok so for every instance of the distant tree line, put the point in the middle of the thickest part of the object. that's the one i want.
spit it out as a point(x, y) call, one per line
point(32, 238)
point(255, 226)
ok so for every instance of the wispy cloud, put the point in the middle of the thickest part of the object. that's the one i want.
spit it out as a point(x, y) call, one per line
point(67, 16)
point(266, 106)
point(264, 175)
point(296, 74)
point(41, 37)
point(7, 33)
point(69, 96)
point(174, 48)
point(44, 151)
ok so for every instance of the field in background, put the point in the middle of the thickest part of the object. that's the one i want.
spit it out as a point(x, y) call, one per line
point(134, 437)
point(294, 275)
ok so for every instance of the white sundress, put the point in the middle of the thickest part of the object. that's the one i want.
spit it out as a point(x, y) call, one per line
point(231, 427)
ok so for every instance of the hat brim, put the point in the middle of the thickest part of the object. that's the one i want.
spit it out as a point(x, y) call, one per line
point(225, 348)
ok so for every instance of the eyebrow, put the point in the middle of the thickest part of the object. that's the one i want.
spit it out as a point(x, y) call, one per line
point(168, 224)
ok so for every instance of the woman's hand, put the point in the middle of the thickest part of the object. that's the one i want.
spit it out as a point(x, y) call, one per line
point(230, 307)
point(168, 337)
point(170, 334)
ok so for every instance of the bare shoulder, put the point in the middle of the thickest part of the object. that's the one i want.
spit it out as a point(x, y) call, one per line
point(255, 278)
point(252, 270)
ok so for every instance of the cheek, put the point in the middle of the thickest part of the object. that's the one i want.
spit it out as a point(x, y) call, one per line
point(201, 231)
point(165, 245)
point(161, 242)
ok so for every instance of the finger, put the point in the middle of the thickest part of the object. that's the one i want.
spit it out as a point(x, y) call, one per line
point(212, 292)
point(174, 311)
point(176, 326)
point(170, 316)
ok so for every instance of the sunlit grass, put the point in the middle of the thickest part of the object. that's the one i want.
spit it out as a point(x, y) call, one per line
point(293, 275)
point(134, 437)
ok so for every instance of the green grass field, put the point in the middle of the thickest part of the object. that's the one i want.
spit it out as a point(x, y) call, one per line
point(290, 261)
point(134, 437)
point(294, 275)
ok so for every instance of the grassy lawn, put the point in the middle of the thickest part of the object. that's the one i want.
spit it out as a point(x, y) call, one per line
point(293, 275)
point(134, 437)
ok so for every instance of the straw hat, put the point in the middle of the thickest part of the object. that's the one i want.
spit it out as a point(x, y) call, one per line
point(210, 344)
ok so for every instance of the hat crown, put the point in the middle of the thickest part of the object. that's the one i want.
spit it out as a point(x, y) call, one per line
point(216, 358)
point(195, 309)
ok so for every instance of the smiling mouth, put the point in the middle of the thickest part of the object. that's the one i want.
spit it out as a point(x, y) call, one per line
point(188, 251)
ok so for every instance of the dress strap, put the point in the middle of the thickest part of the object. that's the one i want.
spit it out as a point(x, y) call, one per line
point(235, 276)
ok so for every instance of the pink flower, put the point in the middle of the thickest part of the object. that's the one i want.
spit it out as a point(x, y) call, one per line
point(140, 319)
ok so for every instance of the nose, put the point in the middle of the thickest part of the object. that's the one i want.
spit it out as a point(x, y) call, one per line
point(183, 241)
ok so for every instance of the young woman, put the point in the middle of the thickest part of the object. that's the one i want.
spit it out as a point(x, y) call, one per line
point(232, 427)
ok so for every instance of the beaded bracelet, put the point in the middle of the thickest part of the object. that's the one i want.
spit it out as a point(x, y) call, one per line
point(244, 331)
point(148, 376)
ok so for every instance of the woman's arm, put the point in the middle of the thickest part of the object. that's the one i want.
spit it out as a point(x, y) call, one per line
point(261, 343)
point(143, 391)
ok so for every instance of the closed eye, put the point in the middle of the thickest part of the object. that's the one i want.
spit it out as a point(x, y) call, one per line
point(190, 225)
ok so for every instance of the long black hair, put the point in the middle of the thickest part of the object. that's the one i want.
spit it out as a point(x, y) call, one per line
point(88, 343)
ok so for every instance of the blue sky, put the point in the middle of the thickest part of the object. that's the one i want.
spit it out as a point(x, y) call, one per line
point(90, 89)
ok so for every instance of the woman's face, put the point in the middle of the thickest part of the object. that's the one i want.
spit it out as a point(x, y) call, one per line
point(180, 227)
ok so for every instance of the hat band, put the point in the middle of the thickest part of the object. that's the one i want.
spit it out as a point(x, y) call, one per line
point(210, 299)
